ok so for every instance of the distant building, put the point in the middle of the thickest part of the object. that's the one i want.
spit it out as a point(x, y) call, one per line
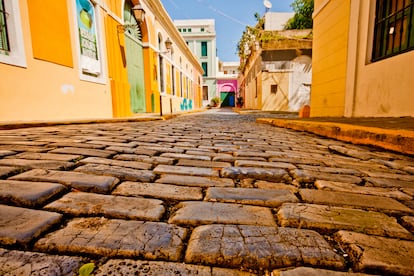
point(200, 36)
point(275, 21)
point(363, 58)
point(276, 73)
point(227, 84)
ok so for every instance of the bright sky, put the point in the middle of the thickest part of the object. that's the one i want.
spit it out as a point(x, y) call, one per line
point(232, 16)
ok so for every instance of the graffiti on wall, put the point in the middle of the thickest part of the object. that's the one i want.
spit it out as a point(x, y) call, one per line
point(186, 104)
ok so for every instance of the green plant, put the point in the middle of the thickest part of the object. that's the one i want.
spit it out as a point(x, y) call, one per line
point(303, 15)
point(215, 101)
point(86, 269)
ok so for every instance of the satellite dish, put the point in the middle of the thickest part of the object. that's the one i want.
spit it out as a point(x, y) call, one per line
point(267, 4)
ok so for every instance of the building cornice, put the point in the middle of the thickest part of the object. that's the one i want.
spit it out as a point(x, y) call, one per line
point(163, 17)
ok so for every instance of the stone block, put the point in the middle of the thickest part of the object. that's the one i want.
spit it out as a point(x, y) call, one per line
point(275, 175)
point(133, 165)
point(196, 213)
point(163, 191)
point(14, 262)
point(308, 176)
point(19, 226)
point(29, 194)
point(153, 268)
point(377, 254)
point(117, 238)
point(368, 202)
point(276, 186)
point(356, 189)
point(80, 181)
point(36, 164)
point(327, 219)
point(308, 271)
point(261, 197)
point(203, 164)
point(84, 151)
point(259, 247)
point(261, 164)
point(47, 156)
point(181, 170)
point(88, 204)
point(118, 172)
point(195, 181)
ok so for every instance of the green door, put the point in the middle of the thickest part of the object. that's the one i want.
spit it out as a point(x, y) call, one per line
point(135, 62)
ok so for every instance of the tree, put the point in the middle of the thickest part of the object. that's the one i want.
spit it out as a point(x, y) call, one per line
point(303, 15)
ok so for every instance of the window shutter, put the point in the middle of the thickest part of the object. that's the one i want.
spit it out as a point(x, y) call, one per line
point(4, 44)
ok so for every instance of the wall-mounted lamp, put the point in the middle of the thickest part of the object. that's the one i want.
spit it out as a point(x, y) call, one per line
point(168, 44)
point(139, 14)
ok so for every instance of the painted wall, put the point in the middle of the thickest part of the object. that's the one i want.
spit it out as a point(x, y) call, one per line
point(49, 85)
point(276, 101)
point(380, 89)
point(330, 40)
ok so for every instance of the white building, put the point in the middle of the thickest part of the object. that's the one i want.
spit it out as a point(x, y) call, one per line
point(200, 35)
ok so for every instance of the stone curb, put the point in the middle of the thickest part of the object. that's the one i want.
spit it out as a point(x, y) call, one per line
point(390, 139)
point(144, 118)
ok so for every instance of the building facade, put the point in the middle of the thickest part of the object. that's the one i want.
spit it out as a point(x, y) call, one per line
point(82, 59)
point(277, 73)
point(200, 36)
point(362, 58)
point(227, 83)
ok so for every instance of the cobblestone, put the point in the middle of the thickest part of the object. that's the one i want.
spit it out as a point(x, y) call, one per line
point(163, 191)
point(196, 213)
point(117, 238)
point(368, 202)
point(76, 180)
point(26, 193)
point(14, 262)
point(328, 219)
point(195, 181)
point(264, 247)
point(209, 194)
point(118, 172)
point(261, 197)
point(276, 175)
point(21, 225)
point(152, 268)
point(371, 254)
point(352, 188)
point(88, 204)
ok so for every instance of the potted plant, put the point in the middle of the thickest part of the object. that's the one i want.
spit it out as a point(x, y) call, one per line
point(215, 101)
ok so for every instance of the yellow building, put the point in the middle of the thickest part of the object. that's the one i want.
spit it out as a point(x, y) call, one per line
point(362, 58)
point(82, 59)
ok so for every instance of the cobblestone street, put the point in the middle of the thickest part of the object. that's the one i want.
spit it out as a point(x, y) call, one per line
point(212, 193)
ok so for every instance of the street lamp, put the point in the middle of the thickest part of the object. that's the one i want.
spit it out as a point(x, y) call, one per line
point(139, 14)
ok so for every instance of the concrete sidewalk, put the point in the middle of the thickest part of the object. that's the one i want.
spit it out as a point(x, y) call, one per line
point(396, 134)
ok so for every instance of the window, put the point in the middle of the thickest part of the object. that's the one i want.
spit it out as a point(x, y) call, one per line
point(179, 29)
point(205, 93)
point(202, 29)
point(204, 48)
point(189, 30)
point(204, 65)
point(184, 30)
point(394, 28)
point(11, 35)
point(273, 88)
point(4, 38)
